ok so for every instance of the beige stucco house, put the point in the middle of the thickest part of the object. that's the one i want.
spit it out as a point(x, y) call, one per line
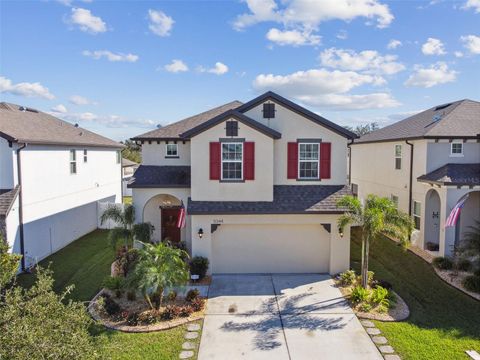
point(259, 182)
point(426, 164)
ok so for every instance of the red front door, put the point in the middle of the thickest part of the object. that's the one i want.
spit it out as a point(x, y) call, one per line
point(169, 225)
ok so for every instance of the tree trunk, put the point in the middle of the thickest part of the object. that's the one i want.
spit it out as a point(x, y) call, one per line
point(160, 298)
point(363, 256)
point(147, 298)
point(365, 263)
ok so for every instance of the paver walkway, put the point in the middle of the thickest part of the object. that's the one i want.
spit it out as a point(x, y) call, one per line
point(281, 317)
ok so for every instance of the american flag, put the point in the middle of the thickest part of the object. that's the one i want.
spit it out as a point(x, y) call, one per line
point(455, 213)
point(181, 217)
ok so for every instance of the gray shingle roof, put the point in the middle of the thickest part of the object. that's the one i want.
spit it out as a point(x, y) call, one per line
point(7, 197)
point(150, 176)
point(459, 119)
point(287, 199)
point(36, 127)
point(174, 130)
point(128, 163)
point(453, 174)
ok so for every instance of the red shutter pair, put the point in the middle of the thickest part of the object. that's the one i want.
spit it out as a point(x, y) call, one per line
point(325, 160)
point(248, 160)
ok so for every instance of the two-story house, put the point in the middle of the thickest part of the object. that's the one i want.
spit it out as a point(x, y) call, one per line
point(259, 181)
point(426, 164)
point(52, 174)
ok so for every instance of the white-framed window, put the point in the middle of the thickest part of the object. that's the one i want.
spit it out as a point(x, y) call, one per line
point(456, 148)
point(308, 160)
point(85, 155)
point(73, 162)
point(171, 150)
point(232, 161)
point(119, 156)
point(398, 157)
point(417, 214)
point(394, 199)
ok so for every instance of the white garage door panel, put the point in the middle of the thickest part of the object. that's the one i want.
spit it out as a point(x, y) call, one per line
point(270, 249)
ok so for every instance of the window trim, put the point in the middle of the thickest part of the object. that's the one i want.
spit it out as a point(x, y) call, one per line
point(85, 155)
point(73, 161)
point(299, 161)
point(398, 156)
point(419, 216)
point(222, 179)
point(176, 151)
point(452, 154)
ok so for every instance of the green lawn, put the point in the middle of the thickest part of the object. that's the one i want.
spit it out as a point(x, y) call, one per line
point(443, 322)
point(85, 263)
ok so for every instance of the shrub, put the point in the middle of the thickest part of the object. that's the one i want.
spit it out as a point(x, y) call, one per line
point(114, 283)
point(365, 307)
point(464, 265)
point(186, 311)
point(128, 260)
point(171, 312)
point(472, 283)
point(443, 263)
point(347, 278)
point(192, 295)
point(110, 306)
point(197, 304)
point(149, 317)
point(370, 275)
point(133, 319)
point(131, 295)
point(359, 294)
point(172, 296)
point(477, 272)
point(379, 296)
point(199, 266)
point(383, 283)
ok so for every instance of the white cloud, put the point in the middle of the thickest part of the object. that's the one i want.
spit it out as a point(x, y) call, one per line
point(433, 75)
point(60, 108)
point(342, 35)
point(110, 56)
point(25, 89)
point(472, 43)
point(218, 69)
point(458, 54)
point(369, 61)
point(87, 22)
point(80, 100)
point(324, 88)
point(309, 14)
point(393, 44)
point(433, 47)
point(111, 121)
point(160, 23)
point(292, 37)
point(176, 66)
point(473, 4)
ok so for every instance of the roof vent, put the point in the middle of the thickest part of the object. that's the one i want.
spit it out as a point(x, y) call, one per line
point(76, 125)
point(22, 108)
point(444, 106)
point(436, 117)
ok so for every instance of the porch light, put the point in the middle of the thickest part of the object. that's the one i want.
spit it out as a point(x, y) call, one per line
point(340, 231)
point(200, 233)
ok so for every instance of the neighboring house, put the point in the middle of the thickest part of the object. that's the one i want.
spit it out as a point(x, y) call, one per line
point(52, 174)
point(259, 181)
point(128, 168)
point(426, 164)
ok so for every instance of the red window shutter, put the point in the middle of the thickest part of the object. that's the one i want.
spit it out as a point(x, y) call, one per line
point(215, 164)
point(292, 160)
point(249, 160)
point(325, 159)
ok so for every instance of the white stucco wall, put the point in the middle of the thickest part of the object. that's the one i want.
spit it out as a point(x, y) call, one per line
point(438, 154)
point(7, 165)
point(12, 229)
point(155, 154)
point(293, 126)
point(259, 189)
point(339, 247)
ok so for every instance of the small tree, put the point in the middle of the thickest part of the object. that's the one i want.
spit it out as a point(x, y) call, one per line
point(159, 267)
point(378, 216)
point(127, 230)
point(8, 264)
point(40, 324)
point(470, 245)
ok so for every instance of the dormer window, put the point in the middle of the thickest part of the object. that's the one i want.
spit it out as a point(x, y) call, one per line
point(172, 150)
point(268, 110)
point(456, 149)
point(232, 128)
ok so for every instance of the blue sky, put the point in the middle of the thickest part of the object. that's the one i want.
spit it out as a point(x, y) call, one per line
point(121, 67)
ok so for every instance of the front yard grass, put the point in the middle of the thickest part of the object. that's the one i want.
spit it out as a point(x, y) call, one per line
point(443, 321)
point(85, 263)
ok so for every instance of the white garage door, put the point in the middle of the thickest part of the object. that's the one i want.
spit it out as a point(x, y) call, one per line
point(270, 249)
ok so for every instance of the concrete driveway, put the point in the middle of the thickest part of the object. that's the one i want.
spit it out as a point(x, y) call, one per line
point(281, 317)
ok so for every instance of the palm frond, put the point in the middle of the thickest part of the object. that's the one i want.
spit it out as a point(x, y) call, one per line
point(114, 213)
point(129, 215)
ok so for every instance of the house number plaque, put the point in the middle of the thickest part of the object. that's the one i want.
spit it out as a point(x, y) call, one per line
point(218, 221)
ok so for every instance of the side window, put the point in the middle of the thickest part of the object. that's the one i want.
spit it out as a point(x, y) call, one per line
point(73, 162)
point(394, 199)
point(456, 149)
point(308, 160)
point(172, 150)
point(85, 155)
point(398, 157)
point(417, 211)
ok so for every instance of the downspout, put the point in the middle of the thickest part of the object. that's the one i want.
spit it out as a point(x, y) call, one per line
point(350, 162)
point(20, 205)
point(410, 179)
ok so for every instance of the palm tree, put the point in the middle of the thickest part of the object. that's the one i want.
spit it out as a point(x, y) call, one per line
point(378, 216)
point(159, 267)
point(471, 240)
point(126, 230)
